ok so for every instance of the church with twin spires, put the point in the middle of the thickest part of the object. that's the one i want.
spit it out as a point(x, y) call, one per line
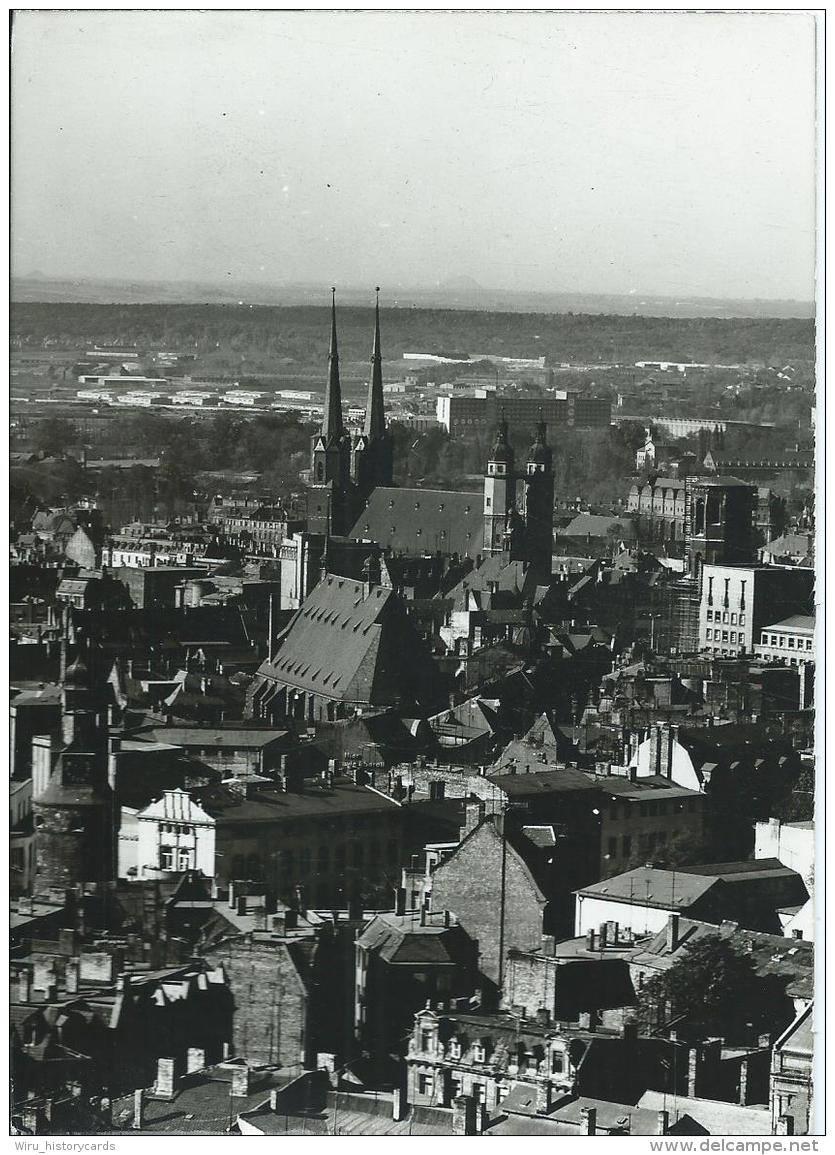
point(352, 493)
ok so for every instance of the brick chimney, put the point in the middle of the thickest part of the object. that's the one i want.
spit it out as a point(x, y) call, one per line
point(475, 812)
point(138, 1108)
point(24, 986)
point(195, 1060)
point(165, 1086)
point(544, 1098)
point(672, 932)
point(588, 1120)
point(71, 973)
point(240, 1081)
point(464, 1115)
point(663, 1122)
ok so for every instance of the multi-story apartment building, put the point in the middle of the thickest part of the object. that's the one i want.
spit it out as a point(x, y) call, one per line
point(738, 601)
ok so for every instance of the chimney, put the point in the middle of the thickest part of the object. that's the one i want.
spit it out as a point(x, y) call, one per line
point(240, 1081)
point(67, 941)
point(195, 1060)
point(692, 1072)
point(544, 1098)
point(24, 986)
point(463, 1115)
point(400, 900)
point(138, 1108)
point(663, 1122)
point(588, 1120)
point(164, 1087)
point(398, 1104)
point(274, 1094)
point(604, 935)
point(590, 937)
point(672, 932)
point(71, 973)
point(612, 932)
point(475, 812)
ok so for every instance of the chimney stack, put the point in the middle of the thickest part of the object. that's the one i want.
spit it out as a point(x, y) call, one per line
point(590, 938)
point(672, 932)
point(24, 986)
point(588, 1116)
point(240, 1081)
point(195, 1060)
point(400, 900)
point(464, 1115)
point(138, 1108)
point(71, 972)
point(663, 1122)
point(165, 1084)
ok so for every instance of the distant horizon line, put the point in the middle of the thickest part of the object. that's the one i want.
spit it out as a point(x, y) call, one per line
point(450, 286)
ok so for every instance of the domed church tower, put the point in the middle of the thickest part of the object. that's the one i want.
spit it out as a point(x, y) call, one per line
point(499, 491)
point(539, 502)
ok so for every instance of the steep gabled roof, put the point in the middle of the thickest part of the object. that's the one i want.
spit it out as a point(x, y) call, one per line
point(422, 521)
point(339, 643)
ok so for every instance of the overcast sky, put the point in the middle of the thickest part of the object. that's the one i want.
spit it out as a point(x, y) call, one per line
point(662, 154)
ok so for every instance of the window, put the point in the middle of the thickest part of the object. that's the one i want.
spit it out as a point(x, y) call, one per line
point(478, 1052)
point(454, 1049)
point(424, 1084)
point(557, 1063)
point(733, 619)
point(709, 633)
point(724, 635)
point(479, 1092)
point(167, 858)
point(184, 860)
point(425, 1040)
point(791, 643)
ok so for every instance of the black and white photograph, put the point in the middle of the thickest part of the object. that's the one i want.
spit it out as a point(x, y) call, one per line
point(416, 576)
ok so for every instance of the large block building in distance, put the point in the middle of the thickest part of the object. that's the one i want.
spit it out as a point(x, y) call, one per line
point(565, 410)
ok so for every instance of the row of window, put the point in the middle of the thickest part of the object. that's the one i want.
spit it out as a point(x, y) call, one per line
point(652, 809)
point(176, 828)
point(788, 641)
point(727, 635)
point(728, 618)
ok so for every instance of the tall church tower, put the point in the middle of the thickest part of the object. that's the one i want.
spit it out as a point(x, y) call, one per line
point(371, 458)
point(539, 502)
point(499, 491)
point(329, 503)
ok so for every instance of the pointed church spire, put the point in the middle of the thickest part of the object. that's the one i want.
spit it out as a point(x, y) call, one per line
point(332, 427)
point(375, 420)
point(502, 450)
